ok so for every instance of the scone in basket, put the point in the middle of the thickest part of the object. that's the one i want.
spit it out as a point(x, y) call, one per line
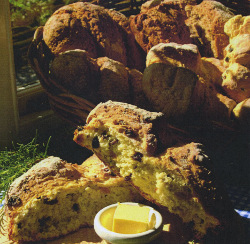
point(72, 108)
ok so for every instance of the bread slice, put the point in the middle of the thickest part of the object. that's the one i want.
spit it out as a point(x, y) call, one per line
point(179, 178)
point(55, 198)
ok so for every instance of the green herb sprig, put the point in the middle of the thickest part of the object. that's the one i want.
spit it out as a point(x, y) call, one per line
point(17, 161)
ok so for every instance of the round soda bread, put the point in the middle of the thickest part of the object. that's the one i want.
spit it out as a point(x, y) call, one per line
point(162, 23)
point(99, 31)
point(55, 198)
point(179, 178)
point(75, 71)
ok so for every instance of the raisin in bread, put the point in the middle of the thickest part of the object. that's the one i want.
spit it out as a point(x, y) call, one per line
point(55, 198)
point(179, 178)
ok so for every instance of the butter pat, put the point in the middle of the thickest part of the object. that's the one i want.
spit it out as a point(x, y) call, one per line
point(132, 219)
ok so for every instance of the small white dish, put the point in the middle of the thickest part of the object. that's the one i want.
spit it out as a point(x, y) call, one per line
point(117, 238)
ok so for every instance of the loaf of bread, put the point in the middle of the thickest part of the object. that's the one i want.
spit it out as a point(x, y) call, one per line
point(99, 31)
point(77, 73)
point(186, 55)
point(162, 23)
point(206, 24)
point(55, 198)
point(179, 177)
point(169, 88)
point(138, 96)
point(183, 22)
point(182, 95)
point(114, 82)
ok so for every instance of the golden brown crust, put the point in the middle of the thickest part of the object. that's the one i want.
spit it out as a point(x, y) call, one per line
point(160, 24)
point(186, 55)
point(169, 89)
point(147, 129)
point(28, 185)
point(114, 83)
point(191, 161)
point(76, 72)
point(238, 51)
point(135, 54)
point(85, 26)
point(236, 82)
point(237, 25)
point(101, 32)
point(206, 23)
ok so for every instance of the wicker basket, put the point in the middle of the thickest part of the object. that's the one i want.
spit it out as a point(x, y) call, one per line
point(72, 108)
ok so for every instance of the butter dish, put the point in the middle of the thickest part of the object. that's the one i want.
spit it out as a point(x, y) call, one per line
point(104, 232)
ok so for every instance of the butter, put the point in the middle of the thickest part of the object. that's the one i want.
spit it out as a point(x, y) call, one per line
point(106, 218)
point(132, 219)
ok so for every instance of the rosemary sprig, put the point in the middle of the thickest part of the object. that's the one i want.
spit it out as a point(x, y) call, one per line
point(15, 162)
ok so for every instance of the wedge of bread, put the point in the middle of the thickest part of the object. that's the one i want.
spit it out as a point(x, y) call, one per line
point(179, 177)
point(55, 198)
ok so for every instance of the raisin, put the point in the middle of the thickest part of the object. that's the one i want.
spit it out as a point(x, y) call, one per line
point(128, 177)
point(121, 122)
point(95, 142)
point(227, 59)
point(76, 207)
point(19, 225)
point(104, 135)
point(43, 223)
point(130, 133)
point(49, 201)
point(14, 201)
point(171, 159)
point(113, 142)
point(137, 156)
point(231, 49)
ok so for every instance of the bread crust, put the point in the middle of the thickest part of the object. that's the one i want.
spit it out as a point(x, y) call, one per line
point(85, 26)
point(206, 23)
point(160, 24)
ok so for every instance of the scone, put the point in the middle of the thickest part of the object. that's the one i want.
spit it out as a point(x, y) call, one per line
point(55, 198)
point(238, 51)
point(179, 177)
point(236, 82)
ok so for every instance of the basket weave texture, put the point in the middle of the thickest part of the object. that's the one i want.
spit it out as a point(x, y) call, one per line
point(72, 108)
